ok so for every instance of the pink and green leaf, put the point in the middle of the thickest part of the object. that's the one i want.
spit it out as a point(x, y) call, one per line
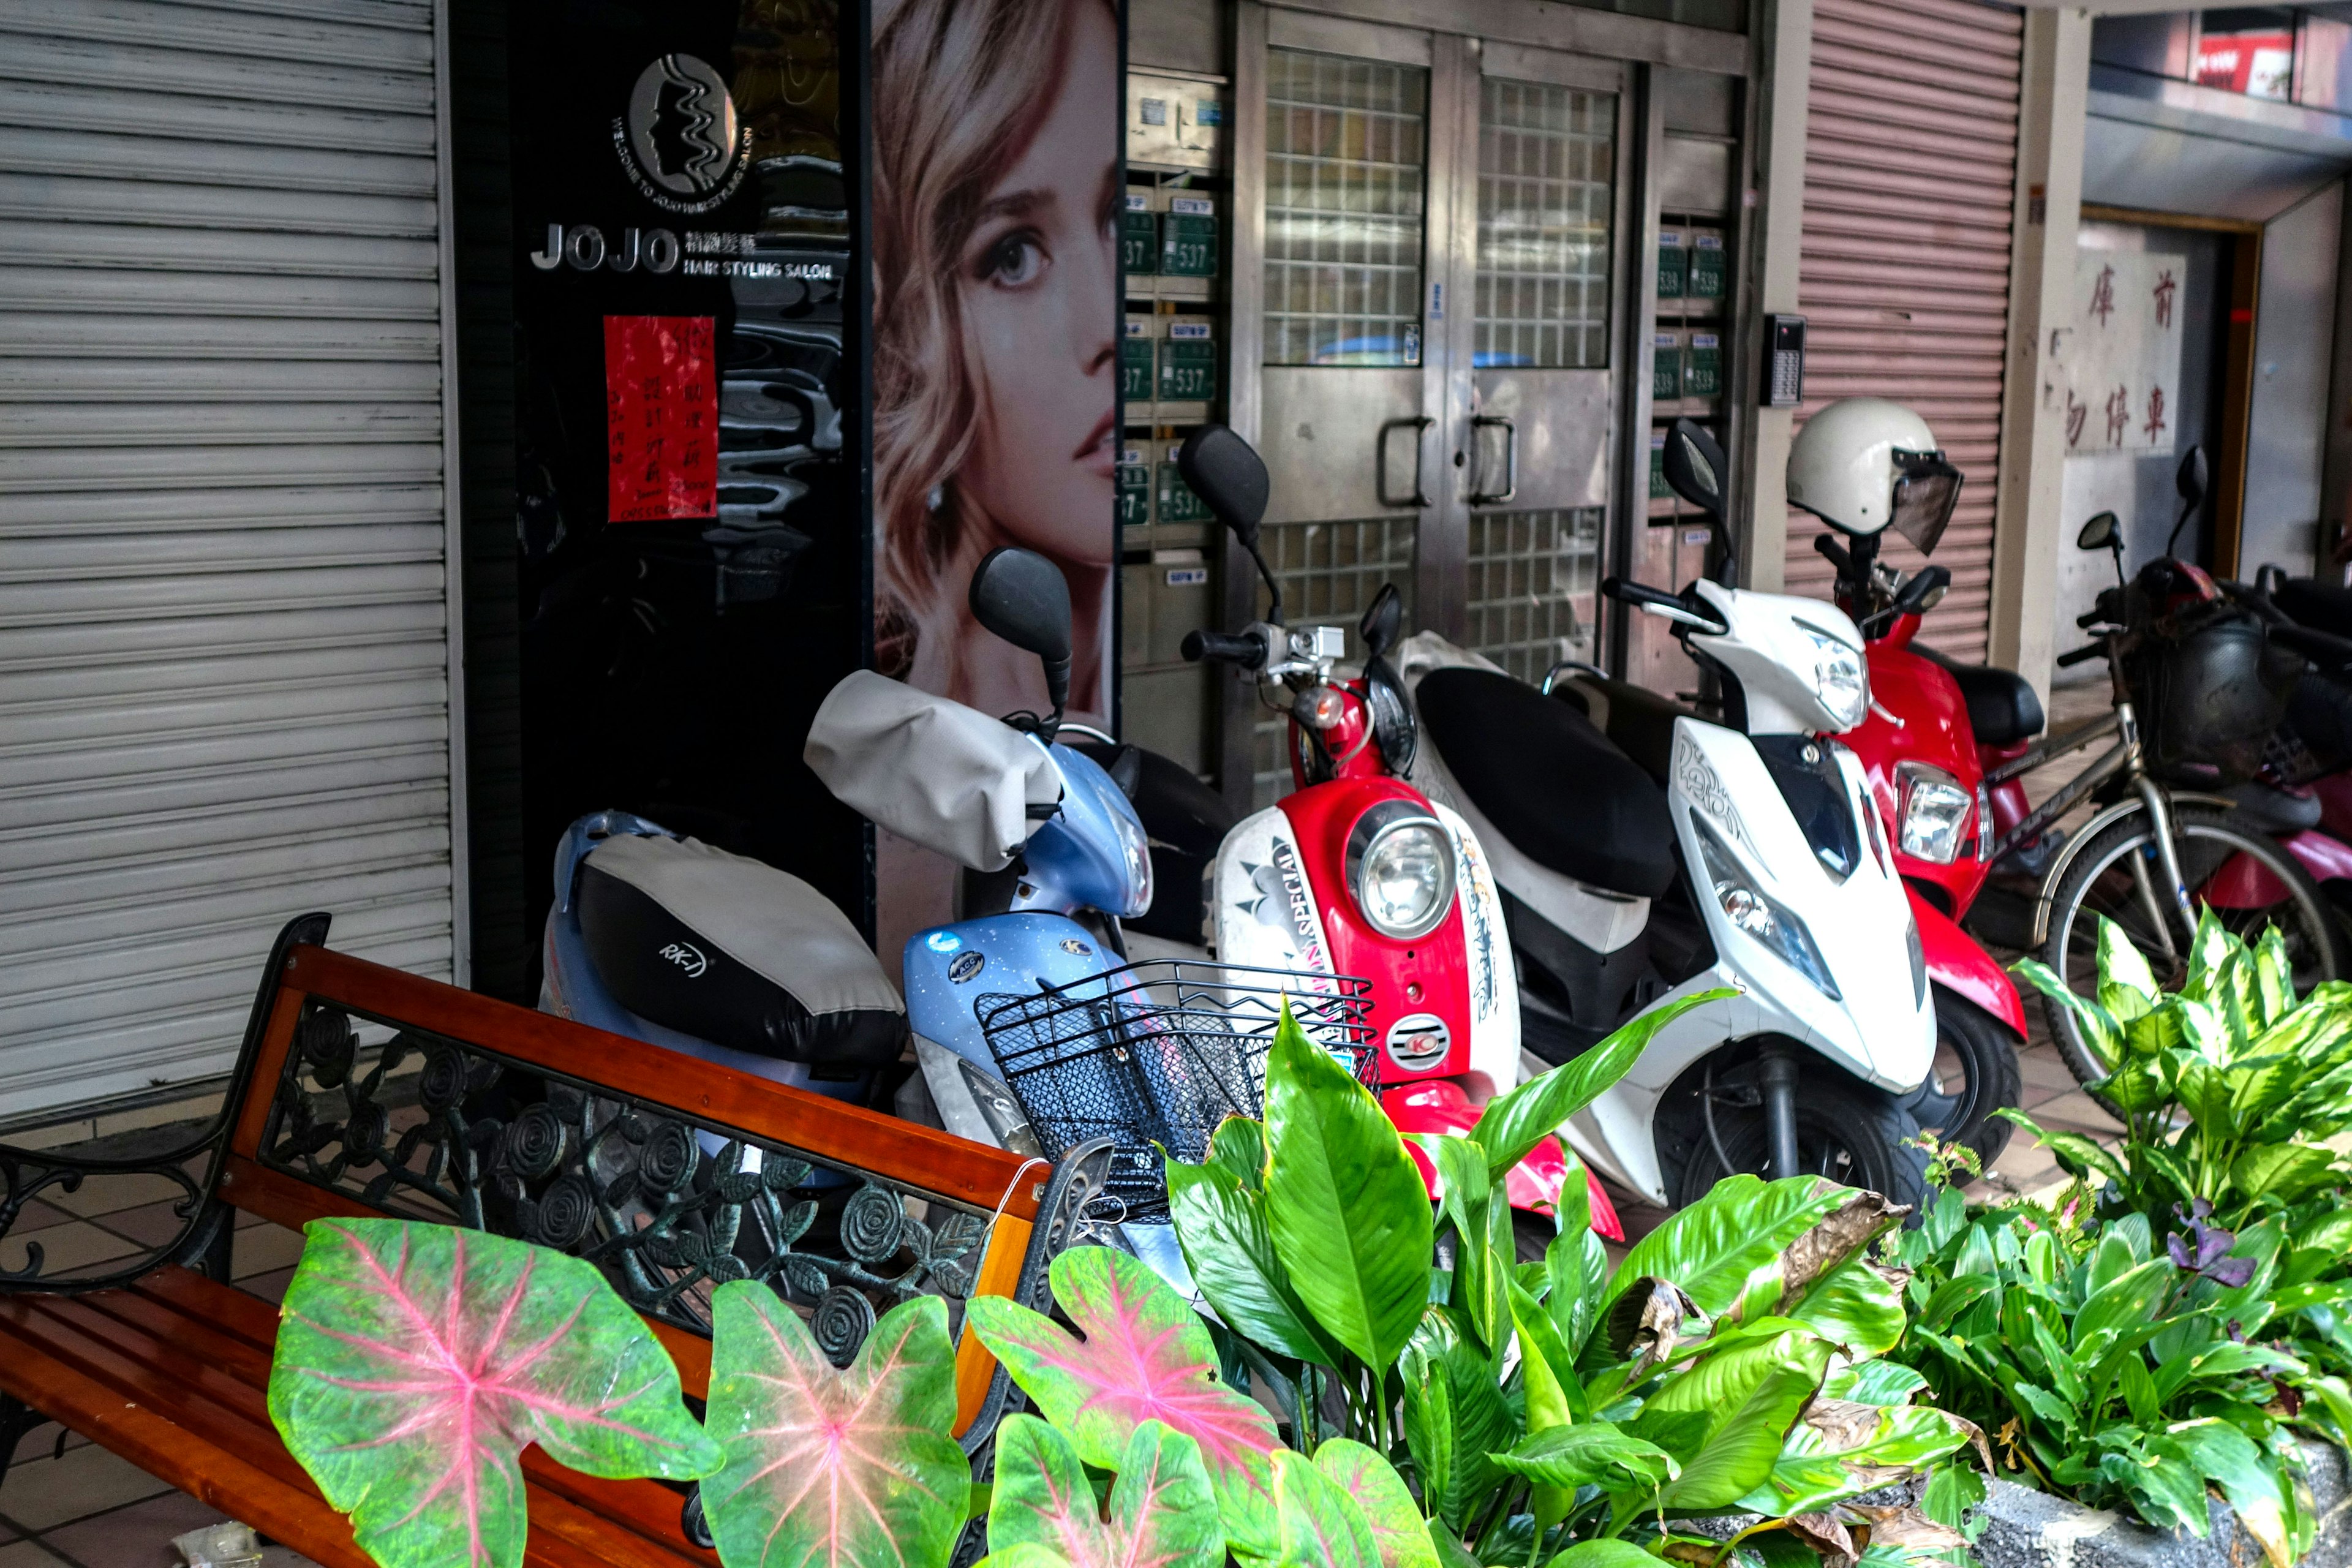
point(1145, 1357)
point(416, 1363)
point(1164, 1513)
point(1320, 1524)
point(1399, 1532)
point(831, 1468)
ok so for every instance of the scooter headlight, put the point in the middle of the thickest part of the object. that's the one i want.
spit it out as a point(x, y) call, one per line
point(1840, 681)
point(1772, 924)
point(1935, 813)
point(1400, 870)
point(1135, 852)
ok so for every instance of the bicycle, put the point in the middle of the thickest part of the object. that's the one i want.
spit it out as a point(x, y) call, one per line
point(2151, 859)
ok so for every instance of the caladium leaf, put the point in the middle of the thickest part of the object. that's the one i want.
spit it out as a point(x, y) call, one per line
point(416, 1363)
point(1164, 1513)
point(1322, 1525)
point(1397, 1529)
point(845, 1468)
point(1146, 1357)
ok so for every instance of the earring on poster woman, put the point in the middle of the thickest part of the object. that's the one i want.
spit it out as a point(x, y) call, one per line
point(936, 498)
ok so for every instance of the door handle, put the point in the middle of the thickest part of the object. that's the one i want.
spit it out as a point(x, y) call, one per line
point(1510, 459)
point(1381, 462)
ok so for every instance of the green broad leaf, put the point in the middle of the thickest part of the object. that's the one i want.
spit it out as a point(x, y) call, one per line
point(1591, 1453)
point(2138, 1389)
point(2210, 950)
point(899, 1485)
point(1953, 1297)
point(2127, 987)
point(1873, 1383)
point(414, 1363)
point(2037, 1402)
point(1513, 1123)
point(1238, 1146)
point(2126, 1306)
point(1577, 1266)
point(1451, 1553)
point(2273, 976)
point(1726, 1417)
point(1482, 1420)
point(1952, 1492)
point(1840, 1450)
point(2164, 1487)
point(1575, 1208)
point(1403, 1536)
point(1854, 1307)
point(1163, 1512)
point(2080, 1156)
point(1347, 1209)
point(2284, 1172)
point(1608, 1551)
point(1548, 1359)
point(1222, 1228)
point(2100, 1031)
point(1146, 1356)
point(1428, 1429)
point(1322, 1526)
point(1729, 1242)
point(1471, 1204)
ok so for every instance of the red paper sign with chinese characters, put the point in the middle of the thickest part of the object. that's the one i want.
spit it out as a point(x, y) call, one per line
point(661, 417)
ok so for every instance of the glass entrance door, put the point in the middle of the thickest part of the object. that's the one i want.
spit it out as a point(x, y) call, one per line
point(1440, 271)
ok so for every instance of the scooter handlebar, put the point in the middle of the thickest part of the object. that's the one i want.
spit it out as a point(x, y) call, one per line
point(1247, 649)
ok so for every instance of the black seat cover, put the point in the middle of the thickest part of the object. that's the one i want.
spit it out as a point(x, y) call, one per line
point(734, 952)
point(2315, 605)
point(1558, 788)
point(2003, 707)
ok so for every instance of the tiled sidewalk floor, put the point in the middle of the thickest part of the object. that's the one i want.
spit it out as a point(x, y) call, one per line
point(86, 1509)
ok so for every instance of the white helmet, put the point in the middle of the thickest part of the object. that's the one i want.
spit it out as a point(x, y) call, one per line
point(1863, 463)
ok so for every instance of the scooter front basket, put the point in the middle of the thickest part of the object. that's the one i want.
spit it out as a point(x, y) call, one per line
point(1158, 1053)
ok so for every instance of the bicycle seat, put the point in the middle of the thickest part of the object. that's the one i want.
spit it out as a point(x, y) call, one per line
point(2003, 707)
point(1565, 795)
point(735, 951)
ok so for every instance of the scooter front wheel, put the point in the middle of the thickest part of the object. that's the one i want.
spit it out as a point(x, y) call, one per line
point(1854, 1135)
point(1976, 1073)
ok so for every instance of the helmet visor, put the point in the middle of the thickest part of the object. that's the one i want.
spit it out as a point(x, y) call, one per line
point(1927, 489)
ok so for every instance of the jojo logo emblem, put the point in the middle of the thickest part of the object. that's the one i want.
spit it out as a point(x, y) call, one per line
point(687, 957)
point(680, 141)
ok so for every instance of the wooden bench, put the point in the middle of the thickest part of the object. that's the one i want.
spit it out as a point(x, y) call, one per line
point(363, 1091)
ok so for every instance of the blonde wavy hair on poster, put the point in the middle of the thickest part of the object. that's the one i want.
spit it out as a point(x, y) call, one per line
point(960, 85)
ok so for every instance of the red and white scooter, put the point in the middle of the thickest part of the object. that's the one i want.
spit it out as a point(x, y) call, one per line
point(1358, 873)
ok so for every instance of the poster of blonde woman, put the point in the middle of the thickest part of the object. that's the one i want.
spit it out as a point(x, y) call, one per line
point(996, 190)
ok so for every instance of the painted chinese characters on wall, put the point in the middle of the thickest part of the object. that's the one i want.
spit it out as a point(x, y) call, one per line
point(2122, 362)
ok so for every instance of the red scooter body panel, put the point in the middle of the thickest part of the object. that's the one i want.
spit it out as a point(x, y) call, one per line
point(1431, 975)
point(1934, 730)
point(1957, 963)
point(1438, 1105)
point(2242, 883)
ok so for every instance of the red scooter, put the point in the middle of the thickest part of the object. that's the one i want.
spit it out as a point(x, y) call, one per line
point(1358, 873)
point(1935, 730)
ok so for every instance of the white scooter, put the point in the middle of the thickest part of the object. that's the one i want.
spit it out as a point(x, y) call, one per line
point(1761, 866)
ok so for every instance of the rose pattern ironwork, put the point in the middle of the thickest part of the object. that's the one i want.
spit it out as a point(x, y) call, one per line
point(668, 1210)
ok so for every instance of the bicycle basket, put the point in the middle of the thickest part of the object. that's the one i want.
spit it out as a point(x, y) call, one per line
point(2208, 696)
point(1160, 1053)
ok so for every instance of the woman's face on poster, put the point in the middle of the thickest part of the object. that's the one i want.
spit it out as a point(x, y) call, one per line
point(1040, 285)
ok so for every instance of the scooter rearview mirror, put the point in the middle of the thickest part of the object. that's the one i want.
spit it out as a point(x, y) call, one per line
point(2100, 534)
point(1383, 621)
point(1230, 477)
point(1922, 591)
point(1022, 597)
point(1695, 466)
point(2189, 478)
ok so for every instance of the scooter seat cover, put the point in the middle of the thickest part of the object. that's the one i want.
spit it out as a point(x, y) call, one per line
point(929, 769)
point(735, 951)
point(1558, 788)
point(2003, 707)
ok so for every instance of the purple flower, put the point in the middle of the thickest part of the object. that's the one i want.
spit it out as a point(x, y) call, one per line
point(2206, 1250)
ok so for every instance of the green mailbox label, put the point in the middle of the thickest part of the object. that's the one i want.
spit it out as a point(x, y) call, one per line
point(1666, 378)
point(1188, 240)
point(1673, 267)
point(1707, 267)
point(1659, 489)
point(1188, 369)
point(1703, 366)
point(1139, 242)
point(1135, 370)
point(1177, 501)
point(1134, 488)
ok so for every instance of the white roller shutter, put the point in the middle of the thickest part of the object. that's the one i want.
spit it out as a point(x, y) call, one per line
point(225, 616)
point(1910, 175)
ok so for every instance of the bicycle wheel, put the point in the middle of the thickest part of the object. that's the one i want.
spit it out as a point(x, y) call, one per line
point(2102, 881)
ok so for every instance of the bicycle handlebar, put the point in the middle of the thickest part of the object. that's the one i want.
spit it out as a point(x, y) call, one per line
point(2082, 655)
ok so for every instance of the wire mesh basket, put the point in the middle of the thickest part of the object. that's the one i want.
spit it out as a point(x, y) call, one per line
point(1160, 1053)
